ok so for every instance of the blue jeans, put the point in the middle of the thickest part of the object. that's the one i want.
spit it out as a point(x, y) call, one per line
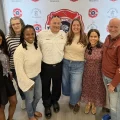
point(72, 79)
point(114, 99)
point(33, 96)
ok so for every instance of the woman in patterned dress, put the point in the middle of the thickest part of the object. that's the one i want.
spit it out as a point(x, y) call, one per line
point(93, 92)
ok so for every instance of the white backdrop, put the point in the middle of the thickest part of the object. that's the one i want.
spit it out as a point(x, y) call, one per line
point(93, 13)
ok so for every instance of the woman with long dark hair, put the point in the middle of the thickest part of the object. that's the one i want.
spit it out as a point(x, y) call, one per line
point(93, 90)
point(27, 60)
point(7, 90)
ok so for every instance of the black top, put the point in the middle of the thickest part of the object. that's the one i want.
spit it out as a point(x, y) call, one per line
point(1, 76)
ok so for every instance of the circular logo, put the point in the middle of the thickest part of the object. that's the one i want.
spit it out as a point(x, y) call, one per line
point(35, 0)
point(73, 0)
point(17, 12)
point(37, 27)
point(113, 0)
point(93, 12)
point(66, 17)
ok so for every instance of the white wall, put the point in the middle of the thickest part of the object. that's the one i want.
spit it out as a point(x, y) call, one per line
point(2, 22)
point(94, 13)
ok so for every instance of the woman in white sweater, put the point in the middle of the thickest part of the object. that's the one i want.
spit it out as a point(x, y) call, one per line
point(27, 60)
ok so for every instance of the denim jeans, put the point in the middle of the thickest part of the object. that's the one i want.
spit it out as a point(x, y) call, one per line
point(20, 91)
point(72, 79)
point(114, 99)
point(33, 96)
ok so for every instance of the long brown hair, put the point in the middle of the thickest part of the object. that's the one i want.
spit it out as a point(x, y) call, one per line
point(11, 31)
point(82, 39)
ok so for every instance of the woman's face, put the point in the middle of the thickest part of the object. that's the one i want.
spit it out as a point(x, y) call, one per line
point(93, 39)
point(76, 27)
point(16, 25)
point(0, 40)
point(29, 35)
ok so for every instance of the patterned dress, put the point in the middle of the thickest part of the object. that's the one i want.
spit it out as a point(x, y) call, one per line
point(93, 87)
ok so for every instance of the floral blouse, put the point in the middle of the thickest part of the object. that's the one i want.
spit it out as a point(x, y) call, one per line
point(5, 63)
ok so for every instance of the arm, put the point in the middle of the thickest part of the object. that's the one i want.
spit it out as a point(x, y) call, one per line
point(116, 79)
point(23, 81)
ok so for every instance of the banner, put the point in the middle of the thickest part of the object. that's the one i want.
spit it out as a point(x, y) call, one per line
point(93, 13)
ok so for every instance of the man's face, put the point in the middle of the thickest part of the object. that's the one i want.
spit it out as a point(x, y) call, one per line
point(55, 25)
point(114, 28)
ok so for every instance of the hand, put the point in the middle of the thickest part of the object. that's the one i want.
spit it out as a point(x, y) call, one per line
point(31, 87)
point(11, 76)
point(119, 70)
point(110, 87)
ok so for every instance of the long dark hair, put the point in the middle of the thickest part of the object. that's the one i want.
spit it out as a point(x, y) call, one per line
point(22, 40)
point(3, 46)
point(83, 38)
point(98, 45)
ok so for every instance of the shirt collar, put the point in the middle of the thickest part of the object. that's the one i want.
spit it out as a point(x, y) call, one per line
point(113, 39)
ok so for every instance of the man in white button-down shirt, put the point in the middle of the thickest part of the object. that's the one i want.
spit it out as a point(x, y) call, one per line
point(52, 44)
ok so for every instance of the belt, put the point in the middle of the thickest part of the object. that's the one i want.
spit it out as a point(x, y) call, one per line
point(53, 65)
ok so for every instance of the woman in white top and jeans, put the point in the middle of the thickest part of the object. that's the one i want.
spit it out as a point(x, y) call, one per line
point(73, 64)
point(27, 60)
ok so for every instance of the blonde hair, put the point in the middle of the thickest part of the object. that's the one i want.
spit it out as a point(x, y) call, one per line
point(11, 31)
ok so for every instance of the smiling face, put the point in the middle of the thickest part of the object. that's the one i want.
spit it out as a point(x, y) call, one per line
point(55, 24)
point(76, 27)
point(29, 35)
point(114, 27)
point(16, 25)
point(93, 39)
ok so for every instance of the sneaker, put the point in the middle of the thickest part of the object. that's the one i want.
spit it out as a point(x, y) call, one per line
point(23, 104)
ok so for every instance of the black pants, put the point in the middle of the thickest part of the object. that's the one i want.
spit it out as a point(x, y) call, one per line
point(48, 73)
point(20, 91)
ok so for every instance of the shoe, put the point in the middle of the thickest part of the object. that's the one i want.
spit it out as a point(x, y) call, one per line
point(56, 107)
point(23, 104)
point(106, 110)
point(71, 106)
point(87, 108)
point(48, 112)
point(37, 114)
point(93, 110)
point(76, 108)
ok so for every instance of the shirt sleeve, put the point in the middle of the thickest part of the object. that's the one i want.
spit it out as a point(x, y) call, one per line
point(39, 39)
point(116, 79)
point(23, 81)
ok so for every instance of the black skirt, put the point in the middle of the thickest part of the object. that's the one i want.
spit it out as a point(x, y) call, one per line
point(6, 91)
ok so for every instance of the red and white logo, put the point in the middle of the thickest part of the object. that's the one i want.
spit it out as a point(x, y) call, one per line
point(17, 12)
point(66, 17)
point(93, 12)
point(37, 27)
point(73, 0)
point(35, 0)
point(113, 0)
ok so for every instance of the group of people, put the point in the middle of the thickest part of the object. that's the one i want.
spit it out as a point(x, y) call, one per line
point(87, 69)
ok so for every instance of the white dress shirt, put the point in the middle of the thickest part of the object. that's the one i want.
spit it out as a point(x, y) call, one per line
point(52, 46)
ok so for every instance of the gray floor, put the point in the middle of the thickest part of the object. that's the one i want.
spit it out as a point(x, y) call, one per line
point(64, 114)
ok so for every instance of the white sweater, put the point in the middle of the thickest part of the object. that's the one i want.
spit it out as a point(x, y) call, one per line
point(27, 65)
